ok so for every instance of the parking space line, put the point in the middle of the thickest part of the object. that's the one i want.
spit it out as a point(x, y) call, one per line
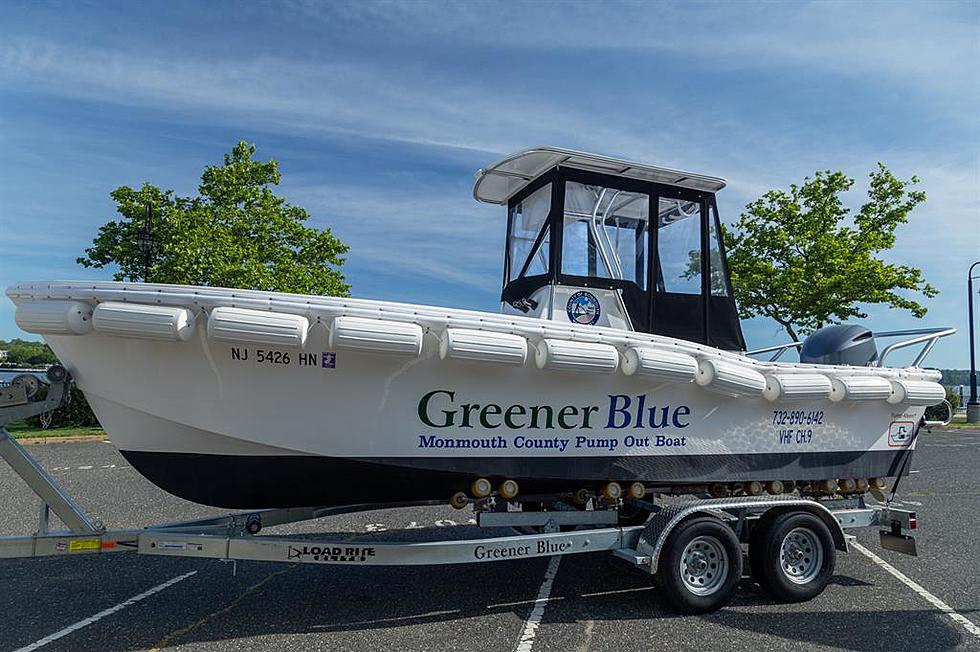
point(537, 612)
point(616, 591)
point(498, 605)
point(107, 612)
point(959, 618)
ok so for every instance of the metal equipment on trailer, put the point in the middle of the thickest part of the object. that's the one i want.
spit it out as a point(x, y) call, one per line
point(693, 547)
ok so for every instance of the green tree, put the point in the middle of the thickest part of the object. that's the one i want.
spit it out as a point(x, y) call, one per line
point(25, 353)
point(940, 412)
point(236, 233)
point(76, 414)
point(798, 258)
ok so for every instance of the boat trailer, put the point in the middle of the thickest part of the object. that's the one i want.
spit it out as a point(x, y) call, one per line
point(692, 547)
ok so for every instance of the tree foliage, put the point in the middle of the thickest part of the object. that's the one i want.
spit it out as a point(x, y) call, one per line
point(799, 258)
point(76, 414)
point(940, 412)
point(236, 233)
point(25, 353)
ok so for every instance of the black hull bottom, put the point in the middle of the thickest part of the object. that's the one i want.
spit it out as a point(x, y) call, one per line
point(256, 482)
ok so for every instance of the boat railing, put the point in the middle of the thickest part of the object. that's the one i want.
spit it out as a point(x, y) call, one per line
point(925, 336)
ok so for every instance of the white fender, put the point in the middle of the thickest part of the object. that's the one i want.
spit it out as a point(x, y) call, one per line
point(376, 335)
point(797, 387)
point(860, 388)
point(483, 346)
point(576, 356)
point(660, 364)
point(54, 317)
point(730, 378)
point(916, 392)
point(143, 321)
point(234, 325)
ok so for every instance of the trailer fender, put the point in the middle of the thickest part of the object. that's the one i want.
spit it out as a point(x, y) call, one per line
point(659, 527)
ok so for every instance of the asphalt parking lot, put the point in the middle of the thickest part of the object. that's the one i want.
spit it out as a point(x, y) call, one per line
point(592, 602)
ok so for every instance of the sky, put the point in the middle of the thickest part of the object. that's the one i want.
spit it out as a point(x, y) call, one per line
point(379, 114)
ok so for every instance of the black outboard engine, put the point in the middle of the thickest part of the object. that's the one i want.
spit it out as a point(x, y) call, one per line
point(847, 344)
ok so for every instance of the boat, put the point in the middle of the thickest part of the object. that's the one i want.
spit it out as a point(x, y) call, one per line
point(616, 360)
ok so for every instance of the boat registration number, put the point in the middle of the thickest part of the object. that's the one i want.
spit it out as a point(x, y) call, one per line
point(322, 360)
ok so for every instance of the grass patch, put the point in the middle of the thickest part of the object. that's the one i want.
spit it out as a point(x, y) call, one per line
point(962, 425)
point(21, 430)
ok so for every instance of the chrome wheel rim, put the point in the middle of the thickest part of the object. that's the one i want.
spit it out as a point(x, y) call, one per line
point(801, 555)
point(704, 565)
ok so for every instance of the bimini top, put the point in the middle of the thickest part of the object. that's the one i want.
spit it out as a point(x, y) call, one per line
point(499, 182)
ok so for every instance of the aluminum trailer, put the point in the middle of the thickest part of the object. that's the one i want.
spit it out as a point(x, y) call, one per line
point(693, 548)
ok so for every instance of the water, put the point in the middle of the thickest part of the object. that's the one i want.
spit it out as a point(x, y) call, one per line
point(6, 375)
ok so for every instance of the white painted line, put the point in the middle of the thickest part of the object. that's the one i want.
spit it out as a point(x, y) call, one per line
point(84, 468)
point(967, 624)
point(537, 612)
point(102, 614)
point(520, 602)
point(616, 591)
point(597, 594)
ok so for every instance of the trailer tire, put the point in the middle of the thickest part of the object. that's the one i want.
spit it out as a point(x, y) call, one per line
point(700, 566)
point(792, 556)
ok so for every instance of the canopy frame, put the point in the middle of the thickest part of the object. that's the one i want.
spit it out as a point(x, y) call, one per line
point(499, 182)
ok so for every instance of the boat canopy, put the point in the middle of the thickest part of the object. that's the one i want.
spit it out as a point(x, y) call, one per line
point(597, 225)
point(502, 180)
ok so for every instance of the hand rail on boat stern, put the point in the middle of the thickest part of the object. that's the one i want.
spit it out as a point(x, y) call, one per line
point(926, 336)
point(779, 349)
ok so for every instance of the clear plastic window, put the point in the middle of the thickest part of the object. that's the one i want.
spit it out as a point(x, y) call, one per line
point(528, 219)
point(717, 266)
point(679, 246)
point(605, 233)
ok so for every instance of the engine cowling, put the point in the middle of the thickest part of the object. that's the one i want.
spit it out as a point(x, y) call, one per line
point(840, 344)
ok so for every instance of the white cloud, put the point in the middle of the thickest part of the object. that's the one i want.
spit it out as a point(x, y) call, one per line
point(923, 55)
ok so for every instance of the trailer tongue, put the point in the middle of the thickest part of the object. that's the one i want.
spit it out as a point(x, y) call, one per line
point(692, 547)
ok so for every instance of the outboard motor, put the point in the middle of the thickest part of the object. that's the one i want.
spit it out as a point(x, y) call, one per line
point(847, 344)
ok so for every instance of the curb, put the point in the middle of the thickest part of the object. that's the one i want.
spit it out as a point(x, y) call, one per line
point(60, 440)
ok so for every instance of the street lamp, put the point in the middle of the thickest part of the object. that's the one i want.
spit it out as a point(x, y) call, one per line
point(144, 240)
point(973, 405)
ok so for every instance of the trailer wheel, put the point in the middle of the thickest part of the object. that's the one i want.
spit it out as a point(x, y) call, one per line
point(792, 556)
point(700, 566)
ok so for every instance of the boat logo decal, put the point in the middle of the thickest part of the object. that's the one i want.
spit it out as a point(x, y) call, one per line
point(900, 433)
point(583, 308)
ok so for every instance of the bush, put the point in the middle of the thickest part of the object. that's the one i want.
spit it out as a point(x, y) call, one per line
point(937, 412)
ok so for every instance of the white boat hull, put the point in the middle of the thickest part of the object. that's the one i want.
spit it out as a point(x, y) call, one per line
point(253, 425)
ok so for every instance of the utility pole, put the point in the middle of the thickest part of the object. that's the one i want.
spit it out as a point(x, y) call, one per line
point(973, 405)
